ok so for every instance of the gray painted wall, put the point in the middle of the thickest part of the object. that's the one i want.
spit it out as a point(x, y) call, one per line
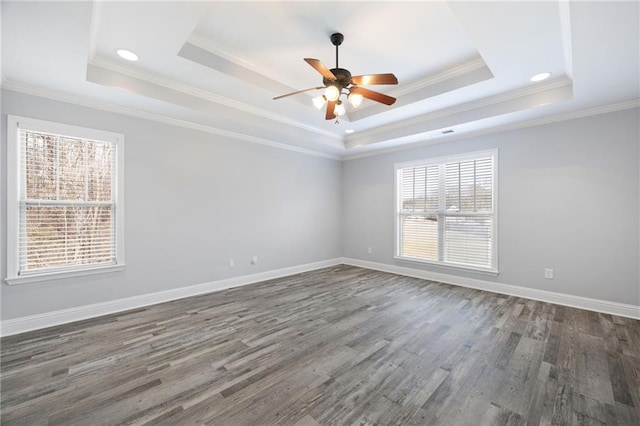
point(568, 200)
point(193, 200)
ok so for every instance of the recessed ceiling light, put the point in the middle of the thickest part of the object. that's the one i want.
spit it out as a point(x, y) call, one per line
point(127, 54)
point(349, 131)
point(541, 76)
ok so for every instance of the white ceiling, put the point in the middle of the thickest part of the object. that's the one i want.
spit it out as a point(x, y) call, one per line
point(217, 65)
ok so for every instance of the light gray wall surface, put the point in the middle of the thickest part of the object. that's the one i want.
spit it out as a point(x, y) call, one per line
point(568, 200)
point(192, 201)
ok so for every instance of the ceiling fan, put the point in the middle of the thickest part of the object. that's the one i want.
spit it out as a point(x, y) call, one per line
point(338, 81)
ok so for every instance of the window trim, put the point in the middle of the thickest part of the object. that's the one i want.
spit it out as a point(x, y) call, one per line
point(437, 161)
point(14, 124)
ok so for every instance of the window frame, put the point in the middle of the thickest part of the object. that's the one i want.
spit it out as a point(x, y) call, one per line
point(398, 167)
point(14, 125)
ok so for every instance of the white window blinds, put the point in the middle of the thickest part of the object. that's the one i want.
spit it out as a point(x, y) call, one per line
point(446, 211)
point(66, 204)
point(64, 200)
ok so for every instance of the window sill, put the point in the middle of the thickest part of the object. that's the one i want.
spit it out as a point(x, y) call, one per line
point(63, 274)
point(493, 272)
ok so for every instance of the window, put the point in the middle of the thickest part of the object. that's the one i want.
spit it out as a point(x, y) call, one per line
point(446, 211)
point(64, 200)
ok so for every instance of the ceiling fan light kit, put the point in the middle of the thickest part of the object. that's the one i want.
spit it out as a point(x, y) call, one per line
point(339, 81)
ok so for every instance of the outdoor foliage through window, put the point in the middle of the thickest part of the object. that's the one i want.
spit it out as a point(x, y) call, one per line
point(66, 204)
point(446, 212)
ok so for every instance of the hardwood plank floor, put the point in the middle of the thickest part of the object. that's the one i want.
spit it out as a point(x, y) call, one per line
point(337, 346)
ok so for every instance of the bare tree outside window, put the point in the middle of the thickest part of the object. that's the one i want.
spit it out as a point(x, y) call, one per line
point(67, 207)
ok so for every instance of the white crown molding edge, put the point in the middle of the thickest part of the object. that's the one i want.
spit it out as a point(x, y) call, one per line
point(132, 112)
point(64, 316)
point(590, 304)
point(105, 106)
point(554, 118)
point(439, 77)
point(206, 44)
point(94, 26)
point(523, 92)
point(565, 30)
point(170, 84)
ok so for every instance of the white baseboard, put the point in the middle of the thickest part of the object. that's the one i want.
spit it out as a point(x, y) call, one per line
point(49, 319)
point(64, 316)
point(597, 305)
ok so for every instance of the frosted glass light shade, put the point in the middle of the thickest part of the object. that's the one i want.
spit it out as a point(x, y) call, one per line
point(319, 101)
point(355, 99)
point(339, 110)
point(332, 93)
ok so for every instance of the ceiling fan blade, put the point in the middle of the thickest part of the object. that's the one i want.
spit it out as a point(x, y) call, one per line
point(321, 68)
point(374, 96)
point(374, 79)
point(331, 106)
point(299, 91)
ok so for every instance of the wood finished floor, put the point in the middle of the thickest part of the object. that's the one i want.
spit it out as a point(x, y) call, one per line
point(337, 346)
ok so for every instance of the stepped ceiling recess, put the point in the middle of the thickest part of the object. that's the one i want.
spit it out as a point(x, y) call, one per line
point(464, 68)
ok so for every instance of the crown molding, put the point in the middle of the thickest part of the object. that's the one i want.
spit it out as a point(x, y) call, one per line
point(206, 44)
point(132, 112)
point(170, 84)
point(490, 101)
point(554, 118)
point(94, 27)
point(444, 75)
point(105, 106)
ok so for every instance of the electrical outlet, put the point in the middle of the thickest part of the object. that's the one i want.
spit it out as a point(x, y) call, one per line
point(369, 250)
point(254, 260)
point(548, 274)
point(232, 263)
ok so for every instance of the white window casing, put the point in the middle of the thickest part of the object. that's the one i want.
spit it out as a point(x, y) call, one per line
point(446, 211)
point(65, 200)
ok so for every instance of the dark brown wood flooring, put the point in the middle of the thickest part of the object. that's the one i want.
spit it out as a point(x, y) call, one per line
point(336, 346)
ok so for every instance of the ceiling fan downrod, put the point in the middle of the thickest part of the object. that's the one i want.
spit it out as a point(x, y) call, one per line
point(337, 39)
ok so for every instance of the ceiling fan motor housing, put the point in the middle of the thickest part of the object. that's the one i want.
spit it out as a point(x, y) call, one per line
point(343, 78)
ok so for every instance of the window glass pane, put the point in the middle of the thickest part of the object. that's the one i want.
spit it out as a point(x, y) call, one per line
point(66, 236)
point(71, 169)
point(419, 236)
point(468, 240)
point(40, 166)
point(420, 189)
point(468, 186)
point(484, 185)
point(99, 169)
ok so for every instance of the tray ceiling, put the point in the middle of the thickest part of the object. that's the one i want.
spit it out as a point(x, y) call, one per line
point(464, 66)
